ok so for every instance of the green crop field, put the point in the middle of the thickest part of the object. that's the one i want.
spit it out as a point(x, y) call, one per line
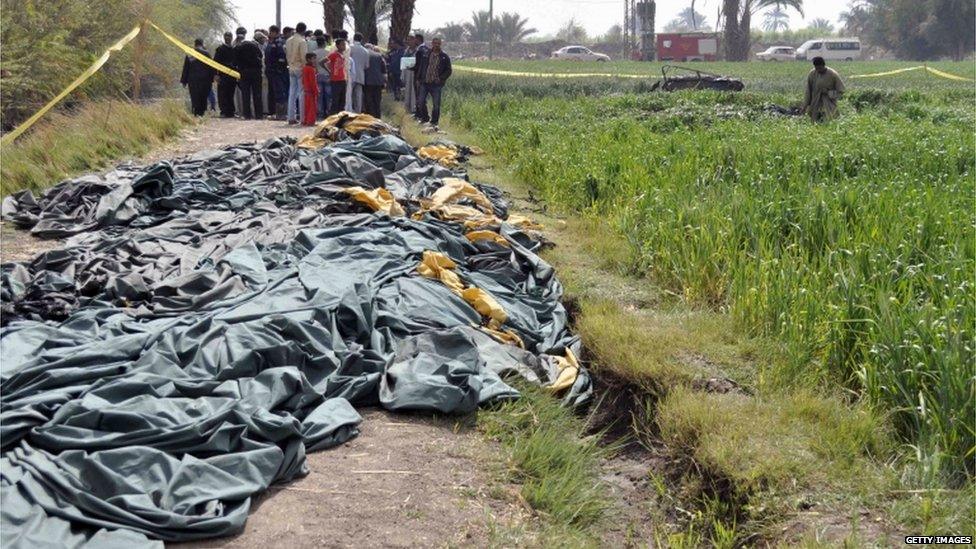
point(849, 243)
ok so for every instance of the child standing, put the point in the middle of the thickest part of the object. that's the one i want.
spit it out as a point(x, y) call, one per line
point(311, 87)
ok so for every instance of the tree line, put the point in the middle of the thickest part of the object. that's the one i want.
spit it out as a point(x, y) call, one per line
point(47, 44)
point(911, 29)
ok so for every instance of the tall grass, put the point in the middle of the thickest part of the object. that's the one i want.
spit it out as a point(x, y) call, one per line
point(89, 138)
point(852, 242)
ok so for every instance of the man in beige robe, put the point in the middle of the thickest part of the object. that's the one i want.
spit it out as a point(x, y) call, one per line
point(824, 88)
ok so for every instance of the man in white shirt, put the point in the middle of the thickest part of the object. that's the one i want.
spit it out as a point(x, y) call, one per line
point(295, 50)
point(360, 58)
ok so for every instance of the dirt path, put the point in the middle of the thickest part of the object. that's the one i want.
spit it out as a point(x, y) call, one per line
point(406, 481)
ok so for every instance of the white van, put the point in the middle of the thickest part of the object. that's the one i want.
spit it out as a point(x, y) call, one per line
point(843, 49)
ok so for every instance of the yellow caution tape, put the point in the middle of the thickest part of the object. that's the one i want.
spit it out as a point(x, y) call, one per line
point(77, 82)
point(10, 136)
point(479, 70)
point(915, 68)
point(194, 53)
point(887, 73)
point(937, 72)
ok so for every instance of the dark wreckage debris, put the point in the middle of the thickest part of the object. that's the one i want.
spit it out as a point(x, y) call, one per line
point(211, 319)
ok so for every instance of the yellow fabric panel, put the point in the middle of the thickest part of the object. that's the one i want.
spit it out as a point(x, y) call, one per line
point(454, 190)
point(486, 305)
point(328, 130)
point(523, 222)
point(475, 236)
point(505, 336)
point(439, 266)
point(442, 154)
point(569, 369)
point(378, 200)
point(310, 141)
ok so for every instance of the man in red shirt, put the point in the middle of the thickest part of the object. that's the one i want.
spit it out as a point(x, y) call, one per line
point(337, 76)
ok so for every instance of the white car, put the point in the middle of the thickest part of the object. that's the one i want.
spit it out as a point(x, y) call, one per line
point(579, 53)
point(777, 53)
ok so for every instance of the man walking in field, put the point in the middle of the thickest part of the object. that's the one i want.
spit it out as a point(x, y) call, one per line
point(433, 68)
point(824, 88)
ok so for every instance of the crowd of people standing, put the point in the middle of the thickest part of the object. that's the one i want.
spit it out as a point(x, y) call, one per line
point(301, 76)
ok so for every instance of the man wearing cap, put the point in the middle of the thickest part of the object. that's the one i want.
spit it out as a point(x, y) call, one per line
point(824, 88)
point(226, 83)
point(250, 61)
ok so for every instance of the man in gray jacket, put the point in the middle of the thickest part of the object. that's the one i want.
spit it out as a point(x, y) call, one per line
point(375, 79)
point(360, 58)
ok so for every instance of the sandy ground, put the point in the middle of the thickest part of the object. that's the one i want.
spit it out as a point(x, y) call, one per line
point(406, 481)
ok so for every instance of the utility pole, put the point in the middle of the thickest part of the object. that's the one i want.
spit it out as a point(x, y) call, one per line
point(646, 13)
point(625, 50)
point(491, 29)
point(278, 14)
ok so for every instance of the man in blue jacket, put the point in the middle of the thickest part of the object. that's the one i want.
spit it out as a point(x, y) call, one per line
point(276, 69)
point(394, 54)
point(432, 70)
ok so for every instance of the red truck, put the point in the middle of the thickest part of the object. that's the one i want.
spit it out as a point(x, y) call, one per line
point(687, 46)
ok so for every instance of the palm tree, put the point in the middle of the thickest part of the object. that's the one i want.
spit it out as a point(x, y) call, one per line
point(366, 14)
point(776, 19)
point(479, 27)
point(333, 14)
point(452, 32)
point(614, 35)
point(401, 19)
point(860, 18)
point(687, 20)
point(364, 17)
point(822, 25)
point(511, 28)
point(737, 16)
point(572, 32)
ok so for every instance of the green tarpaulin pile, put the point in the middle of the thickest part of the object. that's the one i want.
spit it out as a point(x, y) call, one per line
point(211, 320)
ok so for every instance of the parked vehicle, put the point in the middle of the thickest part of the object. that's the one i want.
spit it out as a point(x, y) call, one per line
point(579, 53)
point(687, 46)
point(843, 49)
point(777, 53)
